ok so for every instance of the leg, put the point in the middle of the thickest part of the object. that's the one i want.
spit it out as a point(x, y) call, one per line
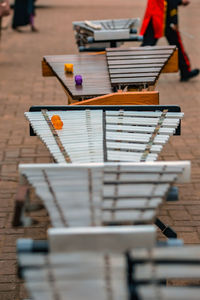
point(174, 38)
point(32, 23)
point(148, 38)
point(0, 26)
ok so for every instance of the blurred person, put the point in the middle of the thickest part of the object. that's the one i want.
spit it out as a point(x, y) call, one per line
point(4, 12)
point(24, 12)
point(161, 19)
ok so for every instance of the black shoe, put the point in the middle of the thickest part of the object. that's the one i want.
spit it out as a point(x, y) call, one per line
point(34, 29)
point(190, 75)
point(16, 29)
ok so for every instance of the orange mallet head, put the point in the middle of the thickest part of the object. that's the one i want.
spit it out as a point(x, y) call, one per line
point(69, 68)
point(55, 118)
point(58, 124)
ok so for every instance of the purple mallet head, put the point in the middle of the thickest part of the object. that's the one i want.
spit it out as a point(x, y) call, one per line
point(78, 79)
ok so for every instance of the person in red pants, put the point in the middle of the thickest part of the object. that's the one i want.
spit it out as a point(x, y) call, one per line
point(161, 19)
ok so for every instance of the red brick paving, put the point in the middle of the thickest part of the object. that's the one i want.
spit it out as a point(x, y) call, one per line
point(21, 85)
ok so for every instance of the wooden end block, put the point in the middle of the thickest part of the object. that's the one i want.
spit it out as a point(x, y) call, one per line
point(172, 64)
point(128, 98)
point(46, 70)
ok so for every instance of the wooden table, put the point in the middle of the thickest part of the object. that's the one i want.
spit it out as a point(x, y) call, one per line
point(100, 71)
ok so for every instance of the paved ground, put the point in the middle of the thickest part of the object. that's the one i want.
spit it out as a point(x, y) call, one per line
point(21, 85)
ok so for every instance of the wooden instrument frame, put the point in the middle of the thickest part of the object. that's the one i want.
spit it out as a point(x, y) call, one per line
point(121, 98)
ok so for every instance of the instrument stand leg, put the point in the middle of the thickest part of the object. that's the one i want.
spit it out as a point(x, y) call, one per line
point(132, 286)
point(166, 230)
point(113, 44)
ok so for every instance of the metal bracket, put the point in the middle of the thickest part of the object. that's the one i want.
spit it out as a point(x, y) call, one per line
point(166, 230)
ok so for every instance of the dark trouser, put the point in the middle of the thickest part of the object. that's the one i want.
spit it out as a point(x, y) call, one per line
point(0, 26)
point(173, 37)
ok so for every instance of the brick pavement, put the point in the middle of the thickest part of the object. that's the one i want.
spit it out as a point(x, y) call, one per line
point(21, 85)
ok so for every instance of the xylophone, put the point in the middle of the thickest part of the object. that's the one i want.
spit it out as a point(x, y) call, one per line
point(150, 270)
point(136, 67)
point(119, 68)
point(88, 263)
point(107, 263)
point(105, 193)
point(105, 133)
point(96, 35)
